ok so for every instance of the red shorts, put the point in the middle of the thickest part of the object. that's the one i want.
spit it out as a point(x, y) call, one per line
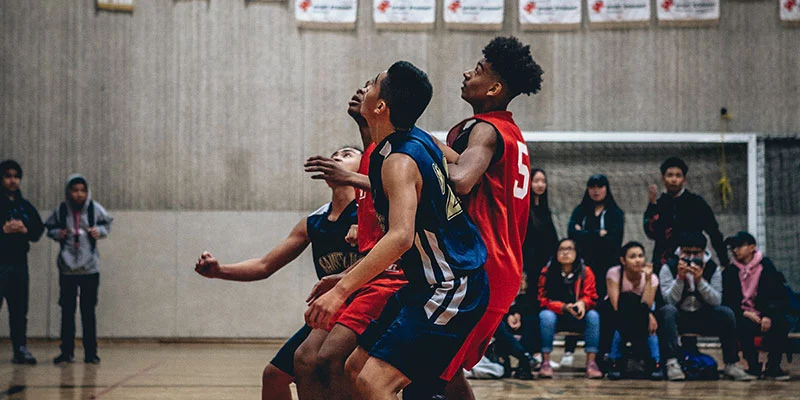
point(475, 346)
point(366, 303)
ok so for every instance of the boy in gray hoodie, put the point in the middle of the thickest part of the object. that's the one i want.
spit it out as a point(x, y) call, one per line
point(77, 224)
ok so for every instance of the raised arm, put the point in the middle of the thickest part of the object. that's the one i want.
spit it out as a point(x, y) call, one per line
point(257, 268)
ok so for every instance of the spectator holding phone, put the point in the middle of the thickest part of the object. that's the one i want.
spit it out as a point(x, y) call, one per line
point(691, 285)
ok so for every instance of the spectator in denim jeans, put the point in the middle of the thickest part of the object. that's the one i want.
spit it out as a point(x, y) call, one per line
point(567, 296)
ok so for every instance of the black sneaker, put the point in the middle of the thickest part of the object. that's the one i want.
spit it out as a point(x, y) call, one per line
point(615, 370)
point(92, 360)
point(23, 356)
point(776, 373)
point(755, 369)
point(656, 372)
point(534, 364)
point(64, 358)
point(524, 374)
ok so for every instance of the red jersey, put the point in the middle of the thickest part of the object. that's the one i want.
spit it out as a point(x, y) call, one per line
point(369, 232)
point(499, 204)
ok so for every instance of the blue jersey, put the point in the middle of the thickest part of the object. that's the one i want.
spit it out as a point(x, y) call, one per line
point(447, 246)
point(332, 254)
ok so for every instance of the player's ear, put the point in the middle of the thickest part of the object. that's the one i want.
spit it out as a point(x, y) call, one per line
point(380, 107)
point(495, 89)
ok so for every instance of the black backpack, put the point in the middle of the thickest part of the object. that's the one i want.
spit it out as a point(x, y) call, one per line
point(62, 219)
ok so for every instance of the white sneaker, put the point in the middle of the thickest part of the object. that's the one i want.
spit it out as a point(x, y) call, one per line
point(567, 360)
point(735, 372)
point(674, 371)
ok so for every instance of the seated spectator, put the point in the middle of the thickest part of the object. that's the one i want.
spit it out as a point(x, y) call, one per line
point(523, 322)
point(632, 291)
point(691, 285)
point(567, 297)
point(753, 289)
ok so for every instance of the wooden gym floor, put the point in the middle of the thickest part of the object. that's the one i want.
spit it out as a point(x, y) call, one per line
point(233, 371)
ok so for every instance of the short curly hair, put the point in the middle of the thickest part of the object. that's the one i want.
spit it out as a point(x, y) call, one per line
point(513, 62)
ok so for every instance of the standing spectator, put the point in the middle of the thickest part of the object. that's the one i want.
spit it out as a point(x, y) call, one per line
point(676, 211)
point(597, 226)
point(77, 224)
point(753, 289)
point(541, 239)
point(632, 291)
point(691, 285)
point(540, 244)
point(21, 225)
point(567, 297)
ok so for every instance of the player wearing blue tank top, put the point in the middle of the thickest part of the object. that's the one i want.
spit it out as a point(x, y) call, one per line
point(438, 247)
point(326, 230)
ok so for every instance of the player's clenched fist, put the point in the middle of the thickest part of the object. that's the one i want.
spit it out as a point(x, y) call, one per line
point(207, 265)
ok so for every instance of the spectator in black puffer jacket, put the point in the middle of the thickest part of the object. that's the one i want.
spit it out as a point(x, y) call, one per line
point(21, 225)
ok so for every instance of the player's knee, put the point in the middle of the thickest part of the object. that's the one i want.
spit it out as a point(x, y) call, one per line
point(305, 361)
point(352, 368)
point(273, 377)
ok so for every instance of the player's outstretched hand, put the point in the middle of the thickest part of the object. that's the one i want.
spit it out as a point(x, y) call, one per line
point(207, 265)
point(328, 169)
point(323, 286)
point(320, 311)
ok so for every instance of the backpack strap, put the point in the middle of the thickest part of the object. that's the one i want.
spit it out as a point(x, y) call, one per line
point(90, 213)
point(62, 215)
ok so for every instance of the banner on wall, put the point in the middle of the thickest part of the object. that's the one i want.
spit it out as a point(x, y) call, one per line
point(687, 12)
point(790, 12)
point(486, 15)
point(404, 14)
point(326, 14)
point(618, 13)
point(115, 5)
point(549, 14)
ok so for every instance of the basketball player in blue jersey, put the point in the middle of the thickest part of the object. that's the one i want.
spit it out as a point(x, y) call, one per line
point(441, 252)
point(325, 229)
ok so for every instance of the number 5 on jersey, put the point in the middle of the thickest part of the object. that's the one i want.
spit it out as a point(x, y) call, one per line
point(522, 182)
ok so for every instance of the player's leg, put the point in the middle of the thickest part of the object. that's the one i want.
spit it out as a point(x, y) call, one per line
point(380, 380)
point(305, 364)
point(279, 373)
point(333, 354)
point(275, 384)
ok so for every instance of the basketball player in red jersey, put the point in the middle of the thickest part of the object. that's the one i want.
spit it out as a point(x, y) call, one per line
point(490, 169)
point(319, 362)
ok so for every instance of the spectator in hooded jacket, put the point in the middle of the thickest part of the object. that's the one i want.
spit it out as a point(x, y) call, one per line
point(21, 225)
point(754, 289)
point(77, 224)
point(567, 297)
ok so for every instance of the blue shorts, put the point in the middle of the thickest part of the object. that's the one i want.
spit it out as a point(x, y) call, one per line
point(284, 360)
point(405, 337)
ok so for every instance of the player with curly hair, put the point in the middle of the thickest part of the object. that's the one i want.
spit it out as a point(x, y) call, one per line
point(490, 168)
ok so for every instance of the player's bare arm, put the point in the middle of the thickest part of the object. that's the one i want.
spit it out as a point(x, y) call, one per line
point(402, 185)
point(257, 268)
point(471, 164)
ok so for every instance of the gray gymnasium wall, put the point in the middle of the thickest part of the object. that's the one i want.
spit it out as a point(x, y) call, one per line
point(192, 119)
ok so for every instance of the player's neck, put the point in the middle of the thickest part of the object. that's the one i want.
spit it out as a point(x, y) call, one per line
point(381, 130)
point(342, 196)
point(366, 138)
point(488, 106)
